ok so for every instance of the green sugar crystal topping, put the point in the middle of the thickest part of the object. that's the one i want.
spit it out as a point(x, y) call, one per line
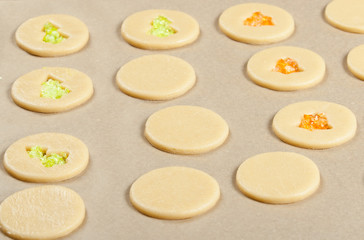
point(161, 28)
point(52, 35)
point(53, 89)
point(47, 161)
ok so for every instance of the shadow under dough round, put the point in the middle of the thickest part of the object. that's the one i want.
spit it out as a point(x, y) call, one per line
point(342, 121)
point(174, 193)
point(355, 61)
point(156, 77)
point(26, 90)
point(29, 36)
point(19, 164)
point(45, 212)
point(260, 68)
point(136, 29)
point(231, 23)
point(278, 177)
point(186, 130)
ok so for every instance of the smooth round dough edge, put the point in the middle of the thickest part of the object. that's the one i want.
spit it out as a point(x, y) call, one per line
point(45, 212)
point(156, 77)
point(18, 163)
point(26, 90)
point(29, 35)
point(260, 68)
point(231, 23)
point(174, 193)
point(355, 61)
point(186, 130)
point(286, 125)
point(278, 177)
point(135, 29)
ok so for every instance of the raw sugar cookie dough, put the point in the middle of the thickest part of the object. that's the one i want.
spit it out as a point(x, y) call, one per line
point(45, 212)
point(186, 130)
point(46, 157)
point(278, 177)
point(52, 35)
point(156, 77)
point(314, 124)
point(160, 29)
point(256, 23)
point(346, 15)
point(286, 68)
point(174, 193)
point(355, 61)
point(52, 89)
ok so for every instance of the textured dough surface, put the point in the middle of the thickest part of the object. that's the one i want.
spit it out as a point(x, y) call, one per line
point(135, 29)
point(29, 35)
point(156, 77)
point(346, 15)
point(286, 125)
point(355, 61)
point(278, 177)
point(186, 130)
point(20, 165)
point(260, 68)
point(45, 212)
point(26, 90)
point(231, 23)
point(174, 193)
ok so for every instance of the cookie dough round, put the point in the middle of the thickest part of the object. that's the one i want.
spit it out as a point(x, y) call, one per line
point(355, 61)
point(136, 29)
point(29, 36)
point(186, 130)
point(278, 177)
point(174, 193)
point(156, 77)
point(346, 15)
point(20, 165)
point(260, 68)
point(45, 212)
point(342, 121)
point(26, 90)
point(231, 23)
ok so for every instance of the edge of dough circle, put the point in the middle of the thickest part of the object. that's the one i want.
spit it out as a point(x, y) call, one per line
point(341, 119)
point(135, 29)
point(29, 36)
point(231, 23)
point(260, 68)
point(355, 61)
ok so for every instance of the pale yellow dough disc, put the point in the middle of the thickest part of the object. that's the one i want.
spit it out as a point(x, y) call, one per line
point(286, 125)
point(156, 77)
point(174, 193)
point(26, 90)
point(231, 23)
point(20, 165)
point(346, 15)
point(261, 65)
point(29, 36)
point(278, 177)
point(186, 130)
point(135, 29)
point(355, 61)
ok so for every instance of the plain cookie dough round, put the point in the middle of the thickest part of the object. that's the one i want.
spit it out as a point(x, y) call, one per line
point(135, 29)
point(29, 35)
point(278, 177)
point(45, 212)
point(26, 90)
point(231, 23)
point(174, 193)
point(355, 61)
point(156, 77)
point(20, 165)
point(186, 130)
point(346, 15)
point(260, 68)
point(341, 119)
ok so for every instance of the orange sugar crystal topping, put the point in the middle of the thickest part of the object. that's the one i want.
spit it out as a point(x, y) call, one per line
point(258, 19)
point(286, 66)
point(314, 121)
